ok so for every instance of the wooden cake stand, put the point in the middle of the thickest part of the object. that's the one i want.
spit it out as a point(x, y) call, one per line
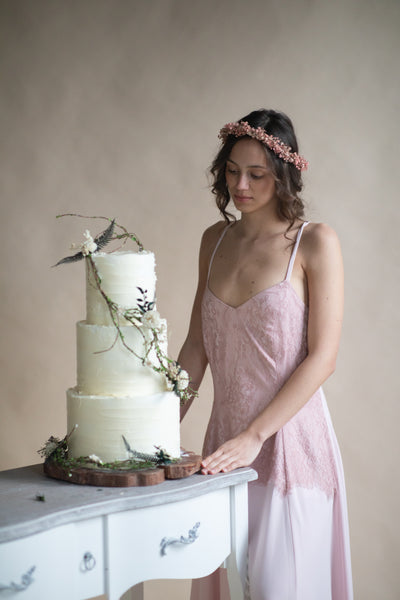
point(186, 466)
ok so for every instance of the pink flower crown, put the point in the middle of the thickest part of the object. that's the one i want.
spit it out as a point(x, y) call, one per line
point(274, 143)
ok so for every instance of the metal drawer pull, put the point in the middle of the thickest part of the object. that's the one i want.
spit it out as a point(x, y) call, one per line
point(192, 537)
point(26, 581)
point(89, 561)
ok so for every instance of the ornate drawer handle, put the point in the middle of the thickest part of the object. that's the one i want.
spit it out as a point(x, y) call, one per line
point(89, 561)
point(192, 537)
point(26, 581)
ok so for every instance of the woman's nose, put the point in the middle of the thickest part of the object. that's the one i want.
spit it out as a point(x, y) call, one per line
point(243, 182)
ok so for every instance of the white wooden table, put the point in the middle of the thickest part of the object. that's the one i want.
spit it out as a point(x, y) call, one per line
point(84, 541)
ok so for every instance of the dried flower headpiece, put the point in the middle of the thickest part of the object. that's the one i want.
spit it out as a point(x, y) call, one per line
point(282, 150)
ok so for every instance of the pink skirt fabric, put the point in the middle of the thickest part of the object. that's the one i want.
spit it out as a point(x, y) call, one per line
point(284, 562)
point(299, 547)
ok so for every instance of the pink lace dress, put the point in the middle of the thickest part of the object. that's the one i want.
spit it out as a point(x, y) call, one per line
point(298, 528)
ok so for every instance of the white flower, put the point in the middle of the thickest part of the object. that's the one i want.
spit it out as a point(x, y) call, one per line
point(88, 248)
point(173, 371)
point(95, 459)
point(153, 320)
point(89, 245)
point(183, 380)
point(162, 334)
point(170, 385)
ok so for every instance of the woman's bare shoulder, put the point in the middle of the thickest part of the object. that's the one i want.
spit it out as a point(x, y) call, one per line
point(211, 236)
point(319, 239)
point(316, 234)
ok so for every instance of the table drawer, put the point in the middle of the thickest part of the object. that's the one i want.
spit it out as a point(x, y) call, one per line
point(39, 566)
point(64, 563)
point(185, 539)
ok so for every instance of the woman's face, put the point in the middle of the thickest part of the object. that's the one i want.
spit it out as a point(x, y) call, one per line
point(249, 178)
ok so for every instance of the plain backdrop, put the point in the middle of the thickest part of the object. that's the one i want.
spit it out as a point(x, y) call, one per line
point(113, 108)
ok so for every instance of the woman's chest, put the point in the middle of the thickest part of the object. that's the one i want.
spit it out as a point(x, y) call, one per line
point(238, 274)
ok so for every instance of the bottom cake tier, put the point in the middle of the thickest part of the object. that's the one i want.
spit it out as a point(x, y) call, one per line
point(146, 423)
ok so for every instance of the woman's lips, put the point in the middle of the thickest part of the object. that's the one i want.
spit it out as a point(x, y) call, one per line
point(242, 198)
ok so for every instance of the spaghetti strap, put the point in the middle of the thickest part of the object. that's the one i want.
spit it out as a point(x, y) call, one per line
point(294, 251)
point(216, 248)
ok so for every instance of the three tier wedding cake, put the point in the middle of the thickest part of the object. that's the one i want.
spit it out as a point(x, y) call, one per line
point(128, 391)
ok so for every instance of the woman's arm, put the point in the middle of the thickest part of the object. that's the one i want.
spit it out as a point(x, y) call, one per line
point(322, 263)
point(192, 356)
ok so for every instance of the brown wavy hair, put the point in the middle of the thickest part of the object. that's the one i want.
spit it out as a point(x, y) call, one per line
point(288, 181)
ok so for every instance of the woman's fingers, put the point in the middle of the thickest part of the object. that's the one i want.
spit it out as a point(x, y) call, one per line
point(238, 452)
point(218, 461)
point(215, 462)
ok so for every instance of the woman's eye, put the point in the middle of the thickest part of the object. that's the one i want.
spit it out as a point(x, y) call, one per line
point(236, 173)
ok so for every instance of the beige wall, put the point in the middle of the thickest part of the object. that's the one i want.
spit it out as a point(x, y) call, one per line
point(112, 108)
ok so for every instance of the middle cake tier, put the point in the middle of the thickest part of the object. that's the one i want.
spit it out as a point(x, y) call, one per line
point(106, 367)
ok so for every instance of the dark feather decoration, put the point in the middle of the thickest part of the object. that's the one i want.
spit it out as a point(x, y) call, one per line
point(101, 240)
point(161, 457)
point(70, 259)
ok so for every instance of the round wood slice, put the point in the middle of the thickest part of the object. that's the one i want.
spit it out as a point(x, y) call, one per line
point(104, 477)
point(185, 467)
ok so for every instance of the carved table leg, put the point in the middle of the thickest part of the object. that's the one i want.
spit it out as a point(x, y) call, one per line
point(236, 563)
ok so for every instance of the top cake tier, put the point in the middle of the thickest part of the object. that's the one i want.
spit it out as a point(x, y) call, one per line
point(121, 274)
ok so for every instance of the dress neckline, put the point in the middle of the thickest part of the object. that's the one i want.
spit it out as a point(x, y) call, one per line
point(271, 287)
point(261, 292)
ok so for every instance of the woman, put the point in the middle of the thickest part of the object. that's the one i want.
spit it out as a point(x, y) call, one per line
point(267, 318)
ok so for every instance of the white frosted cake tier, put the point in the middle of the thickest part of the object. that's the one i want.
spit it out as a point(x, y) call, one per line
point(146, 422)
point(106, 367)
point(121, 274)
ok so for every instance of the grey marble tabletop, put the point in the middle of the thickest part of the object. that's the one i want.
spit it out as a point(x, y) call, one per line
point(22, 514)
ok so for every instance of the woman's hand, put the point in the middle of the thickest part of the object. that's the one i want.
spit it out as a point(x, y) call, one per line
point(240, 451)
